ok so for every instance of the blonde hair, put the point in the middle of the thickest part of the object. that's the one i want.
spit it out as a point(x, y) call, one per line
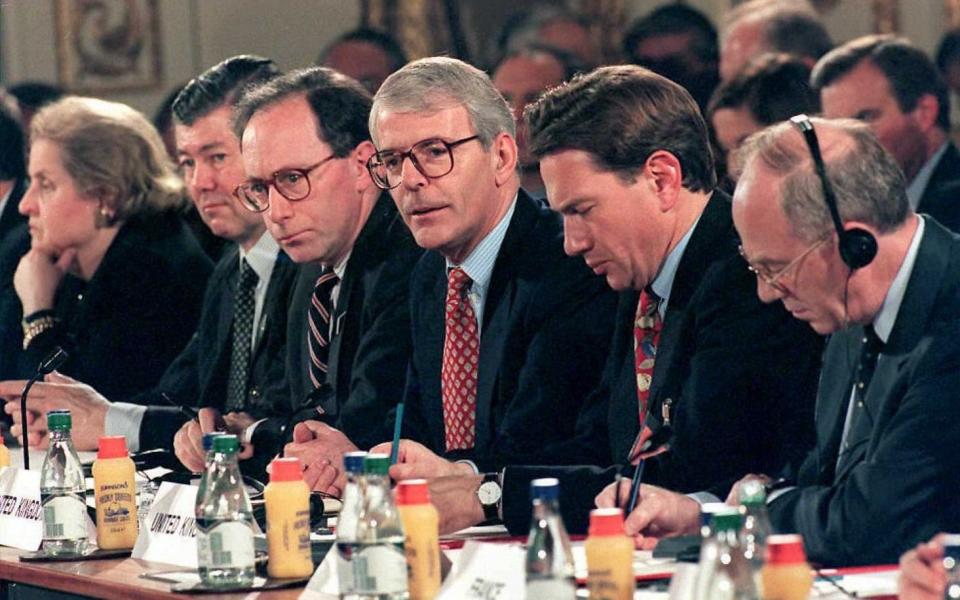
point(113, 154)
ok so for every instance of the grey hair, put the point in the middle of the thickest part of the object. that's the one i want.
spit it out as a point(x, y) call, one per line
point(439, 82)
point(868, 183)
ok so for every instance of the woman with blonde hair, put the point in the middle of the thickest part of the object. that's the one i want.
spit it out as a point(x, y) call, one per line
point(112, 275)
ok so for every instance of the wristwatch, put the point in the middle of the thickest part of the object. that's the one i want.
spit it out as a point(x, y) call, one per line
point(489, 493)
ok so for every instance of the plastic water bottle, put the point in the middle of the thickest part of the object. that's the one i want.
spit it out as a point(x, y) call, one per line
point(756, 525)
point(549, 555)
point(62, 491)
point(225, 522)
point(951, 564)
point(347, 522)
point(379, 561)
point(729, 576)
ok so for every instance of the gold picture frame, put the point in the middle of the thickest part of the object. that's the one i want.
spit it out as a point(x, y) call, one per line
point(108, 45)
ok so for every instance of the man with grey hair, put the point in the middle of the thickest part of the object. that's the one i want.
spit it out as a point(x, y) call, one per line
point(509, 334)
point(760, 26)
point(879, 480)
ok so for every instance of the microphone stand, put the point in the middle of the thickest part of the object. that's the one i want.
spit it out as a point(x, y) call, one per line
point(50, 363)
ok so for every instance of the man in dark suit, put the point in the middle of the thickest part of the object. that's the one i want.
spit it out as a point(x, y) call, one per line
point(885, 472)
point(14, 237)
point(894, 87)
point(209, 158)
point(305, 145)
point(692, 350)
point(509, 334)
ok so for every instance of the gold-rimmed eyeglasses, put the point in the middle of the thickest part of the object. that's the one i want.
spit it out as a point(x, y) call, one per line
point(774, 279)
point(292, 184)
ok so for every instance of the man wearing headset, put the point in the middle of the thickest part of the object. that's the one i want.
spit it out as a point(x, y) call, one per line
point(847, 254)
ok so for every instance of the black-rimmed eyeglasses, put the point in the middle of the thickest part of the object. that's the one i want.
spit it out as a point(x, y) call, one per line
point(292, 184)
point(432, 157)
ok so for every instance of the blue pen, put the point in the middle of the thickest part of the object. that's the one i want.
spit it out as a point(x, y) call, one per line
point(397, 423)
point(635, 485)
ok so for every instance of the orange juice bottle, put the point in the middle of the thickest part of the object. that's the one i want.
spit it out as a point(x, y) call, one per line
point(115, 489)
point(786, 574)
point(609, 557)
point(4, 455)
point(422, 544)
point(288, 520)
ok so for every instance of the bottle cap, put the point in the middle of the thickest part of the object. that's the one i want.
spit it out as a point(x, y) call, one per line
point(208, 438)
point(226, 443)
point(786, 549)
point(112, 446)
point(606, 521)
point(59, 420)
point(286, 469)
point(413, 491)
point(376, 464)
point(726, 521)
point(752, 493)
point(353, 462)
point(545, 489)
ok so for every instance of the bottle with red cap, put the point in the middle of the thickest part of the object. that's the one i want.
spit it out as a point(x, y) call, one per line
point(786, 574)
point(609, 556)
point(421, 524)
point(115, 490)
point(288, 520)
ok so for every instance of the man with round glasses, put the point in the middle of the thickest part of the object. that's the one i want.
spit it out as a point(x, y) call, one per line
point(305, 146)
point(509, 334)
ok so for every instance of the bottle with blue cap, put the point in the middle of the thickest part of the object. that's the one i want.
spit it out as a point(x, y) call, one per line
point(549, 555)
point(62, 491)
point(225, 554)
point(207, 443)
point(347, 522)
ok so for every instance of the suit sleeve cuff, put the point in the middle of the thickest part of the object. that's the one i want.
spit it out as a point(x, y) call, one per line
point(124, 419)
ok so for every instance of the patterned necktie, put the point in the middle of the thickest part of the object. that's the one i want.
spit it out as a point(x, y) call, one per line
point(646, 337)
point(870, 349)
point(244, 306)
point(461, 358)
point(318, 321)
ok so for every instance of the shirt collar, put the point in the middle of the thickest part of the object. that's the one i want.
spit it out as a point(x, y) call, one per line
point(663, 282)
point(919, 184)
point(885, 319)
point(341, 267)
point(262, 256)
point(479, 264)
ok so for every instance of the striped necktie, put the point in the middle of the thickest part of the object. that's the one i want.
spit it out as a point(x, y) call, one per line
point(318, 322)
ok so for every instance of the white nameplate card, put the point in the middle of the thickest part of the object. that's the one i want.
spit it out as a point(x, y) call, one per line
point(325, 583)
point(485, 571)
point(21, 514)
point(169, 533)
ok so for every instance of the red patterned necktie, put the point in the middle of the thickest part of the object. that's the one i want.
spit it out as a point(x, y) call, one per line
point(646, 337)
point(318, 322)
point(461, 357)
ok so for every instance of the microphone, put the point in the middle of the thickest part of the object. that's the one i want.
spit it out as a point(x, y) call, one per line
point(50, 363)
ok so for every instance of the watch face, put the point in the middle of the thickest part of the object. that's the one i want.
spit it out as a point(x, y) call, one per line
point(489, 493)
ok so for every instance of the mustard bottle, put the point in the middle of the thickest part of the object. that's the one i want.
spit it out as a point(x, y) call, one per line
point(422, 545)
point(609, 557)
point(4, 455)
point(785, 574)
point(288, 521)
point(115, 490)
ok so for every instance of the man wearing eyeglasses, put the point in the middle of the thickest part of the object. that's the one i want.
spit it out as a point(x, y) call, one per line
point(885, 472)
point(509, 334)
point(305, 146)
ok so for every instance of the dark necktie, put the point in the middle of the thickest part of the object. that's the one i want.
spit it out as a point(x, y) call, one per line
point(870, 349)
point(244, 307)
point(461, 359)
point(318, 322)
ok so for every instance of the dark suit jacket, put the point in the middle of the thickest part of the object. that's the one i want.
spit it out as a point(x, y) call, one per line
point(941, 198)
point(370, 345)
point(198, 376)
point(137, 312)
point(14, 243)
point(740, 377)
point(898, 482)
point(545, 335)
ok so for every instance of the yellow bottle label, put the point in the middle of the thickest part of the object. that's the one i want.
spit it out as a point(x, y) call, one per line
point(288, 529)
point(4, 456)
point(422, 549)
point(116, 499)
point(610, 567)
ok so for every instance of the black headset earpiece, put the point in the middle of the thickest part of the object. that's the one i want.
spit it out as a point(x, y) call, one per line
point(857, 246)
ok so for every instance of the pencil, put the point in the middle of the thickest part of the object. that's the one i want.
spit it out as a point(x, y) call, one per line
point(635, 486)
point(397, 424)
